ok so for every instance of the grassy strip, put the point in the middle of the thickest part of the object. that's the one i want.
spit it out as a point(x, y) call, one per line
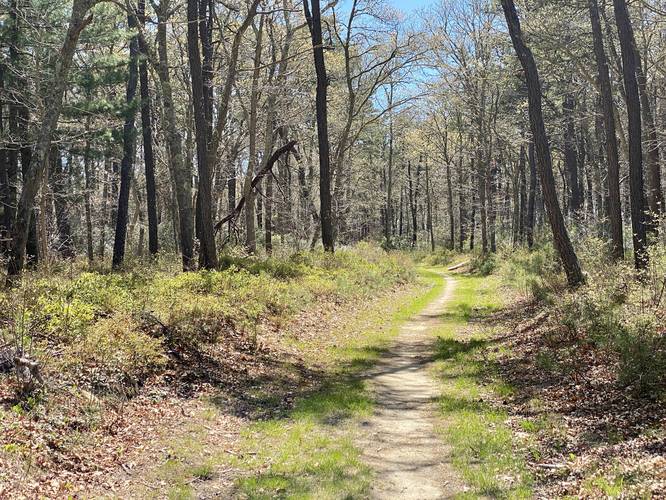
point(482, 443)
point(311, 452)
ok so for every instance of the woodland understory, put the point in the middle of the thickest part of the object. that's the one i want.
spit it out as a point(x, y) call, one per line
point(199, 197)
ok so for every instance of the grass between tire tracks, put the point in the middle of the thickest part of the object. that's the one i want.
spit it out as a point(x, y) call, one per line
point(311, 452)
point(481, 441)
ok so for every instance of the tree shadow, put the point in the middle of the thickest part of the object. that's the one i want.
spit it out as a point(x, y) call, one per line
point(448, 348)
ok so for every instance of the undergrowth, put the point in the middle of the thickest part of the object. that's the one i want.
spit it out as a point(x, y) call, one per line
point(107, 332)
point(617, 312)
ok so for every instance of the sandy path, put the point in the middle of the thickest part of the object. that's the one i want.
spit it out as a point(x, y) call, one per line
point(402, 446)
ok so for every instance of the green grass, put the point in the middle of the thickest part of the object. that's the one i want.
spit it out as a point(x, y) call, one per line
point(482, 443)
point(311, 453)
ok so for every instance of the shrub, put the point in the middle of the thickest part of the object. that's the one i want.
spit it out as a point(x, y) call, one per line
point(484, 264)
point(535, 273)
point(616, 311)
point(104, 324)
point(115, 353)
point(442, 257)
point(642, 353)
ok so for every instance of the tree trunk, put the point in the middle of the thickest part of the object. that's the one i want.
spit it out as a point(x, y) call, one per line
point(452, 219)
point(4, 183)
point(108, 178)
point(429, 221)
point(181, 175)
point(204, 192)
point(522, 216)
point(482, 177)
point(90, 252)
point(250, 196)
point(58, 175)
point(560, 235)
point(53, 99)
point(491, 211)
point(515, 197)
point(412, 193)
point(570, 159)
point(314, 23)
point(147, 129)
point(388, 223)
point(462, 215)
point(231, 196)
point(268, 215)
point(129, 152)
point(472, 222)
point(629, 68)
point(655, 195)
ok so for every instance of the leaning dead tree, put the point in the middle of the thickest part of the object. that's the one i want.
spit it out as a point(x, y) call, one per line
point(268, 169)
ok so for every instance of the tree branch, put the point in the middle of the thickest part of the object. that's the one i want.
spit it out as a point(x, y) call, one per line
point(268, 168)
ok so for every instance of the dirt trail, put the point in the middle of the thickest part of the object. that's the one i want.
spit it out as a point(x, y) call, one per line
point(402, 446)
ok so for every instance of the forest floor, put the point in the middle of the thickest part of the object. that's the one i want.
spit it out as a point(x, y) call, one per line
point(434, 389)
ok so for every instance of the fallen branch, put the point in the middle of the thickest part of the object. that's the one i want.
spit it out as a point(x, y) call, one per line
point(268, 168)
point(458, 266)
point(550, 466)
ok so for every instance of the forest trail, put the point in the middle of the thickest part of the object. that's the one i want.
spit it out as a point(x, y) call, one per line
point(402, 446)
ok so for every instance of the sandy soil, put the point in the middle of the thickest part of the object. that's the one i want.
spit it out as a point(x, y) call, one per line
point(401, 443)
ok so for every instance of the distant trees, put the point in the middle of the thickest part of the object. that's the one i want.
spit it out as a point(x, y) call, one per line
point(421, 135)
point(53, 100)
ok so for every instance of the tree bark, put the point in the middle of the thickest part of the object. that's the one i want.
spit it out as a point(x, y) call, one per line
point(108, 179)
point(560, 235)
point(90, 252)
point(249, 194)
point(268, 216)
point(636, 187)
point(180, 173)
point(431, 229)
point(313, 17)
point(204, 192)
point(614, 206)
point(462, 213)
point(482, 174)
point(570, 159)
point(655, 195)
point(58, 175)
point(472, 220)
point(523, 196)
point(129, 151)
point(388, 223)
point(147, 129)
